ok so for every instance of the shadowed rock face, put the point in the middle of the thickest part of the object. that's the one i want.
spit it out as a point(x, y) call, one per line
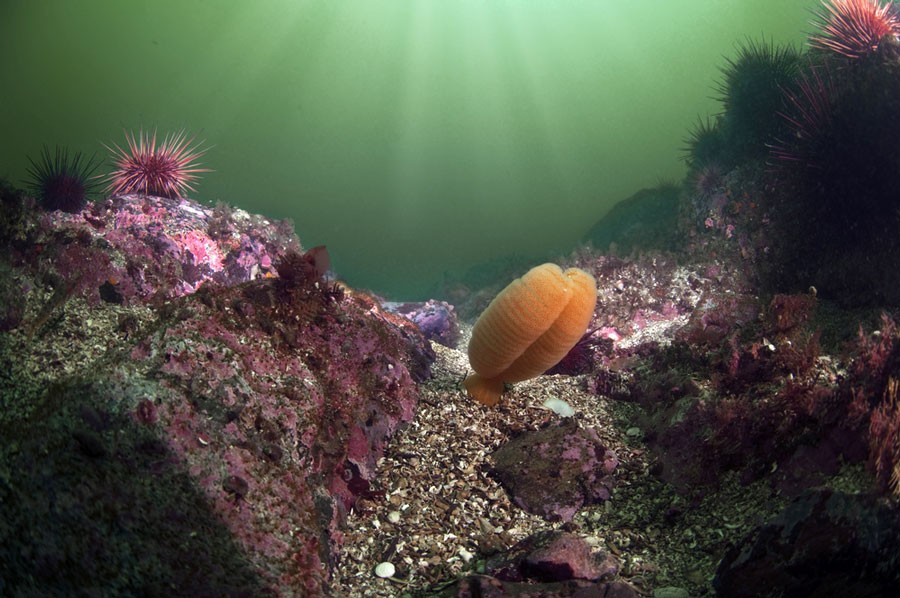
point(646, 220)
point(490, 587)
point(210, 439)
point(555, 471)
point(824, 544)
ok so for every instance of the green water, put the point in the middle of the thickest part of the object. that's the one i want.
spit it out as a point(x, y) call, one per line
point(413, 137)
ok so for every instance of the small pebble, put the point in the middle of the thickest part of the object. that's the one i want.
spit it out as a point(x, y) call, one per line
point(633, 432)
point(385, 570)
point(394, 516)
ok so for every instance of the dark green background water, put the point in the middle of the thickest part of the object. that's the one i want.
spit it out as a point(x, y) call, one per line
point(413, 137)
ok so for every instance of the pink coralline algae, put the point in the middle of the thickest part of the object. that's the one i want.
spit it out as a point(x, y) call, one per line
point(241, 415)
point(556, 471)
point(154, 248)
point(276, 404)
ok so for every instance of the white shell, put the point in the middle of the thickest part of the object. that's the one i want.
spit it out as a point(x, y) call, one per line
point(559, 407)
point(385, 570)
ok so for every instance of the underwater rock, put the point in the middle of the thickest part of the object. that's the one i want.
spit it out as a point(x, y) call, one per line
point(718, 316)
point(485, 586)
point(581, 357)
point(214, 441)
point(551, 555)
point(810, 465)
point(436, 319)
point(12, 309)
point(133, 248)
point(113, 511)
point(825, 543)
point(555, 471)
point(548, 563)
point(645, 221)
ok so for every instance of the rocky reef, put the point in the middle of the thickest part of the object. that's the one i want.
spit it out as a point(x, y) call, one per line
point(191, 403)
point(176, 414)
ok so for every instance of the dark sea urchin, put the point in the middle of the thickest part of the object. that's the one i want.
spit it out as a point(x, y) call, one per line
point(834, 222)
point(854, 28)
point(808, 113)
point(705, 143)
point(752, 91)
point(167, 170)
point(61, 182)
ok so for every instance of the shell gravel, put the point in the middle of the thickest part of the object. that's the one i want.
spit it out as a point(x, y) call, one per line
point(453, 514)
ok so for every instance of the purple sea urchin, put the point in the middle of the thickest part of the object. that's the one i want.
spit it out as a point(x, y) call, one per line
point(705, 143)
point(60, 182)
point(751, 93)
point(167, 170)
point(708, 179)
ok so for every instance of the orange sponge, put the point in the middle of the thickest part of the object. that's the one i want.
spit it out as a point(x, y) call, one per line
point(528, 328)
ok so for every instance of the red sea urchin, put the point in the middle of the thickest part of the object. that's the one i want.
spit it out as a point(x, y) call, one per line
point(165, 171)
point(853, 28)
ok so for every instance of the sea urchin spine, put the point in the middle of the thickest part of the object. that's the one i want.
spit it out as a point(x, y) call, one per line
point(809, 114)
point(60, 182)
point(168, 170)
point(854, 28)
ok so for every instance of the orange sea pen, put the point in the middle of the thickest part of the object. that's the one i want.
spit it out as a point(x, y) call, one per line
point(528, 328)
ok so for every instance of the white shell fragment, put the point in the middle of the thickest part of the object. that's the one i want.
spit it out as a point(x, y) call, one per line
point(385, 569)
point(559, 407)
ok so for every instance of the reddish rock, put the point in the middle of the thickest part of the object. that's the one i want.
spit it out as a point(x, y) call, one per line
point(218, 444)
point(564, 556)
point(550, 556)
point(555, 471)
point(133, 248)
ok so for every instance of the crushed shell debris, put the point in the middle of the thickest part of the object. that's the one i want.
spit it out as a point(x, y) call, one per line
point(442, 512)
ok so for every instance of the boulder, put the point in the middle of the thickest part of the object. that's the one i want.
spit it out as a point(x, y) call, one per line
point(555, 471)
